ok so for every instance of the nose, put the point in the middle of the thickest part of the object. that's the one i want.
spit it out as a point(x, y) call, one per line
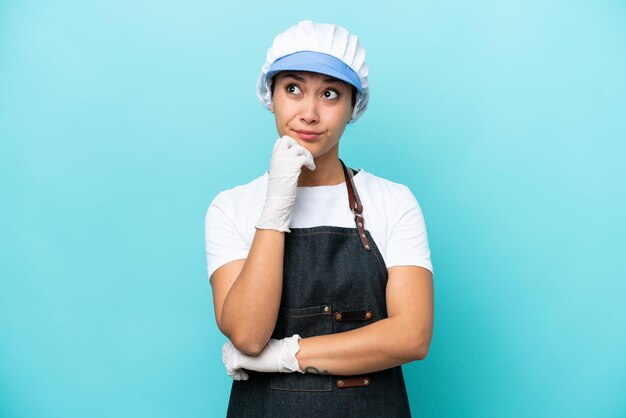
point(309, 112)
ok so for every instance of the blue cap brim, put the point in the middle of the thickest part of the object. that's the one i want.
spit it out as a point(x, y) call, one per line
point(316, 62)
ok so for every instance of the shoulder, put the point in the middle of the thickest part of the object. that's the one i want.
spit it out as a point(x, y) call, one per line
point(236, 196)
point(388, 203)
point(238, 204)
point(396, 218)
point(387, 191)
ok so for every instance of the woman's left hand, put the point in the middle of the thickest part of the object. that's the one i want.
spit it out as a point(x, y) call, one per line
point(277, 356)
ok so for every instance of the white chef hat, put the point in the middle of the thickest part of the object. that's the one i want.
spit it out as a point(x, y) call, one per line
point(318, 47)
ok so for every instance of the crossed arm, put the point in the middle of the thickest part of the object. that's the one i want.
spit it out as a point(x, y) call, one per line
point(256, 284)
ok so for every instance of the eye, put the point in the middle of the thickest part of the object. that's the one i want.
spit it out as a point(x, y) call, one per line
point(293, 89)
point(330, 94)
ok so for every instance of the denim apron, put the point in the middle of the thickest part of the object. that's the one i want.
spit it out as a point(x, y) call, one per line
point(334, 280)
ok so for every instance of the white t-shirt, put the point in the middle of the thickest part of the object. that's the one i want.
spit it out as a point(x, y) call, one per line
point(392, 216)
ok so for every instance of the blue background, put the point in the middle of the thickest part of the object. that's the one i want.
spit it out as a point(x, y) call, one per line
point(121, 120)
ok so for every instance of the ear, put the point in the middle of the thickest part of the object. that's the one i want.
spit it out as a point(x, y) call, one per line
point(272, 106)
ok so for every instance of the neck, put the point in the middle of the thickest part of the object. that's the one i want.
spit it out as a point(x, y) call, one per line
point(328, 171)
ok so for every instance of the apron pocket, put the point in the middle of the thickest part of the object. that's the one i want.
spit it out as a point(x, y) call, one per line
point(298, 382)
point(306, 322)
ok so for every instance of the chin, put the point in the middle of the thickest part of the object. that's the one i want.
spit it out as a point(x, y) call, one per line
point(315, 151)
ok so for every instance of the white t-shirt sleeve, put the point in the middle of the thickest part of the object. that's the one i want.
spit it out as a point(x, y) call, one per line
point(224, 242)
point(407, 243)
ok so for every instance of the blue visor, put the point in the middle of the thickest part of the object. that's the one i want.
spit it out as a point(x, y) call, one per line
point(316, 62)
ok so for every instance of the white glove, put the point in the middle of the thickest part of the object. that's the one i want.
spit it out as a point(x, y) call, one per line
point(277, 356)
point(288, 157)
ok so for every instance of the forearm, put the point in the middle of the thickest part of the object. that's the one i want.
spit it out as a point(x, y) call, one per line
point(248, 292)
point(384, 344)
point(251, 306)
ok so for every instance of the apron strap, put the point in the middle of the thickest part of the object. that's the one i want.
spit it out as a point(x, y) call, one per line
point(356, 207)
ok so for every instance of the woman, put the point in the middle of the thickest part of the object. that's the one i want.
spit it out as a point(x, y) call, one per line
point(321, 274)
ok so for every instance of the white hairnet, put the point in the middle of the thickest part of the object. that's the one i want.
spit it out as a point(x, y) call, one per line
point(323, 38)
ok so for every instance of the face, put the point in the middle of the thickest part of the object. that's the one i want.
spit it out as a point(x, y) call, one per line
point(313, 109)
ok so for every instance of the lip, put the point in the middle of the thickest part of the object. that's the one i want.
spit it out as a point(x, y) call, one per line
point(307, 135)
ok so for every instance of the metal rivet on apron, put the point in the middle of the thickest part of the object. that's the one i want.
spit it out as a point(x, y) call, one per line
point(367, 247)
point(360, 224)
point(363, 235)
point(368, 315)
point(337, 316)
point(326, 309)
point(340, 383)
point(366, 381)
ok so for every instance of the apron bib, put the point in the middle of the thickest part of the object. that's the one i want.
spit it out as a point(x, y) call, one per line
point(334, 280)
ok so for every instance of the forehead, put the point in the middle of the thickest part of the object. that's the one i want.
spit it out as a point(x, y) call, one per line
point(309, 77)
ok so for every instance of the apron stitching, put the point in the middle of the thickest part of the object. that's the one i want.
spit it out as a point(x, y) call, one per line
point(304, 316)
point(325, 389)
point(380, 263)
point(347, 234)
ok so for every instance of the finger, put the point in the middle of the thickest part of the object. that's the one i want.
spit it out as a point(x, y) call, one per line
point(290, 141)
point(283, 143)
point(310, 162)
point(307, 161)
point(297, 150)
point(277, 144)
point(234, 374)
point(224, 353)
point(238, 374)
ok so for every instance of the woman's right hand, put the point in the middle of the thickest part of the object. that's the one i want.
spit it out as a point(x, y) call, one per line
point(288, 158)
point(256, 282)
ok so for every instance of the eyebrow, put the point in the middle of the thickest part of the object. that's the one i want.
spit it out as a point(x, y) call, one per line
point(299, 78)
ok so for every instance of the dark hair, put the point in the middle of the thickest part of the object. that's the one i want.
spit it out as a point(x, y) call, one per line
point(353, 90)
